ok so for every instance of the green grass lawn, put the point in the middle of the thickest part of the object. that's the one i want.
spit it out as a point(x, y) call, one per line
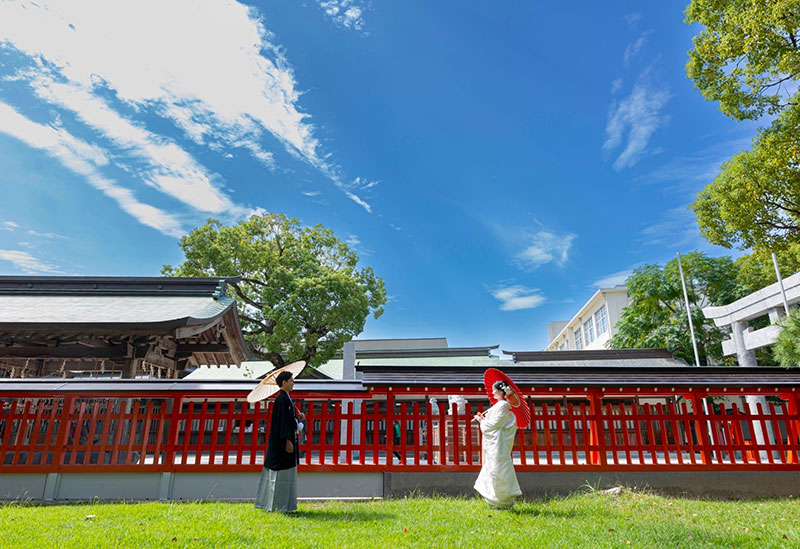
point(586, 520)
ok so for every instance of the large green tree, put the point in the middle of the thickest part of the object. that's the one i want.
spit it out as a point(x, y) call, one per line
point(755, 271)
point(755, 200)
point(302, 294)
point(746, 55)
point(656, 313)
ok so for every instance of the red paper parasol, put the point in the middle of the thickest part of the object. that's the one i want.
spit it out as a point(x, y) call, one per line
point(515, 398)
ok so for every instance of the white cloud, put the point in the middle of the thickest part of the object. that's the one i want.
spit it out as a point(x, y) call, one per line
point(355, 244)
point(363, 183)
point(8, 226)
point(517, 297)
point(168, 167)
point(83, 159)
point(310, 193)
point(614, 279)
point(635, 119)
point(616, 85)
point(212, 68)
point(632, 19)
point(26, 262)
point(633, 49)
point(355, 198)
point(544, 247)
point(345, 13)
point(51, 236)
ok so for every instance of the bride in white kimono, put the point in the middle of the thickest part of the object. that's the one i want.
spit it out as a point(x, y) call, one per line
point(497, 482)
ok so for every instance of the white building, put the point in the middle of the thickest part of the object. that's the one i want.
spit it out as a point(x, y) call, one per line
point(593, 325)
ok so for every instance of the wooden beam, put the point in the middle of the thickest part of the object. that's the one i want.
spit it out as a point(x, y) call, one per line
point(70, 351)
point(186, 350)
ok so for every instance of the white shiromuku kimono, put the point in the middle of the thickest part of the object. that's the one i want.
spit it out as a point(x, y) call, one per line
point(497, 482)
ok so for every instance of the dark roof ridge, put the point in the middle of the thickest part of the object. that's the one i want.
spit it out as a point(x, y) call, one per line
point(116, 285)
point(588, 354)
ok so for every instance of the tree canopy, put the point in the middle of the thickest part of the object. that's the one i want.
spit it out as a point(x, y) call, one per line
point(755, 200)
point(787, 346)
point(746, 54)
point(301, 296)
point(656, 313)
point(755, 271)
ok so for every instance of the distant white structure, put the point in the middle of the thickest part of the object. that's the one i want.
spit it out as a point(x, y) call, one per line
point(736, 316)
point(593, 325)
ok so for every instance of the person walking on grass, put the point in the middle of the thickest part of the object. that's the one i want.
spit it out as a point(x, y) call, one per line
point(277, 488)
point(497, 481)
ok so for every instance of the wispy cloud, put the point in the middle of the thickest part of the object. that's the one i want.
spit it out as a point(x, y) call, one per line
point(518, 297)
point(614, 279)
point(212, 69)
point(687, 174)
point(310, 194)
point(8, 226)
point(616, 85)
point(26, 262)
point(345, 13)
point(632, 19)
point(84, 159)
point(545, 247)
point(677, 228)
point(634, 119)
point(50, 236)
point(165, 165)
point(355, 244)
point(633, 49)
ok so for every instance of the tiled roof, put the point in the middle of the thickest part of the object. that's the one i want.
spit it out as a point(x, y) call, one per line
point(586, 376)
point(17, 310)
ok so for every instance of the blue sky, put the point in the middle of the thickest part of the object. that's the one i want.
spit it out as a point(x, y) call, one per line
point(494, 163)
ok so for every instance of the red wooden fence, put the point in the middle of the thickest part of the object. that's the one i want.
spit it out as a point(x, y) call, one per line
point(597, 431)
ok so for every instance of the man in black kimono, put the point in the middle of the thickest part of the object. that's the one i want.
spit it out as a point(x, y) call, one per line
point(277, 489)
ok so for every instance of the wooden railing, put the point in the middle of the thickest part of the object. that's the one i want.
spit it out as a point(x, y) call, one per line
point(392, 430)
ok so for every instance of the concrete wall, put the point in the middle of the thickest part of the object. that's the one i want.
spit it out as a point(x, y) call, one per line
point(178, 486)
point(704, 484)
point(242, 486)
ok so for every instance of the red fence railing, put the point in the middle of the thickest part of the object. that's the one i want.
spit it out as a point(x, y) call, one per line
point(392, 430)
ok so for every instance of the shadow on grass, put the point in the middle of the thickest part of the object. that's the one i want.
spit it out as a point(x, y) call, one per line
point(339, 515)
point(546, 513)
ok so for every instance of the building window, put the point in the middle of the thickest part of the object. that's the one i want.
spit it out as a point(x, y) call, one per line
point(588, 330)
point(601, 320)
point(578, 338)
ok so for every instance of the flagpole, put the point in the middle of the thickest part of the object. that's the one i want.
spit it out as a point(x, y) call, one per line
point(688, 312)
point(780, 284)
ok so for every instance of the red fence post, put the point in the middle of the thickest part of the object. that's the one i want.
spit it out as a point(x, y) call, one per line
point(597, 455)
point(701, 426)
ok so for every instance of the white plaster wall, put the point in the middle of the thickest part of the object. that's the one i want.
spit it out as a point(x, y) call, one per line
point(614, 302)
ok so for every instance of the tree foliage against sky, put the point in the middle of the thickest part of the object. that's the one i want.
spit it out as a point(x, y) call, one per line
point(747, 59)
point(747, 55)
point(302, 295)
point(656, 314)
point(755, 200)
point(755, 271)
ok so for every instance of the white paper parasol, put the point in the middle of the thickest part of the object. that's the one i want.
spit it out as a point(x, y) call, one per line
point(268, 386)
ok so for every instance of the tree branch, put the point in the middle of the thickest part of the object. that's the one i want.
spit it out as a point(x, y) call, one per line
point(246, 299)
